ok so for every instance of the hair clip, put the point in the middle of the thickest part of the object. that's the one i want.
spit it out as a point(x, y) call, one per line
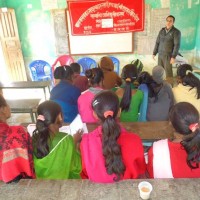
point(108, 113)
point(128, 80)
point(194, 127)
point(187, 72)
point(41, 117)
point(95, 103)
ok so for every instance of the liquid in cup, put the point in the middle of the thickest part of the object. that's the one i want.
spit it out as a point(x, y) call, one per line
point(145, 189)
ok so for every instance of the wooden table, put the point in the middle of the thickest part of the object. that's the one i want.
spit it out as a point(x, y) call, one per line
point(24, 106)
point(148, 131)
point(165, 189)
point(27, 85)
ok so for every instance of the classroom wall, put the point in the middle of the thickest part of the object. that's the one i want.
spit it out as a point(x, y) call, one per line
point(38, 42)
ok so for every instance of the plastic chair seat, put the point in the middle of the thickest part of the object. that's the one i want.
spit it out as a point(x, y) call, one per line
point(40, 70)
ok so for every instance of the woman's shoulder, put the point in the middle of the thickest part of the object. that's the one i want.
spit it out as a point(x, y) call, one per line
point(92, 135)
point(63, 137)
point(129, 137)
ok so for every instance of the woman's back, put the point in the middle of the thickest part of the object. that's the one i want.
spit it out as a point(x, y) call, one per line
point(62, 162)
point(85, 107)
point(16, 153)
point(111, 78)
point(16, 159)
point(66, 95)
point(93, 161)
point(55, 155)
point(188, 89)
point(95, 76)
point(136, 99)
point(186, 94)
point(178, 164)
point(109, 153)
point(159, 105)
point(178, 157)
point(130, 98)
point(160, 96)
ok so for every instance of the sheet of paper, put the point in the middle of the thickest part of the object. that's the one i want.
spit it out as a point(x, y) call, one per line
point(71, 129)
point(31, 128)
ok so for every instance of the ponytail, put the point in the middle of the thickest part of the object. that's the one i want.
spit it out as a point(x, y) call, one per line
point(126, 99)
point(40, 138)
point(111, 149)
point(192, 147)
point(106, 106)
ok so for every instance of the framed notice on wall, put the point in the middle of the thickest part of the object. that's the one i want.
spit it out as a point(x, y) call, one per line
point(99, 44)
point(90, 17)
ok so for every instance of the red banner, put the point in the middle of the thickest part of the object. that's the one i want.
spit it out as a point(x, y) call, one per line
point(101, 16)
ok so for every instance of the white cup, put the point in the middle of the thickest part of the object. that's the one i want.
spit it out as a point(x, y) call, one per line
point(145, 189)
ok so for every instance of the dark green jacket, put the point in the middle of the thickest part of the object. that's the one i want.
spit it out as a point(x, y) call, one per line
point(168, 43)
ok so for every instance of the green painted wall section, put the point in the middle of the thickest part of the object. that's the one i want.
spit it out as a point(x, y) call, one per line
point(198, 32)
point(187, 20)
point(154, 3)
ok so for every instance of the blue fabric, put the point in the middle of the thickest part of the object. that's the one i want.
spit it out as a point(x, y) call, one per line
point(143, 106)
point(66, 95)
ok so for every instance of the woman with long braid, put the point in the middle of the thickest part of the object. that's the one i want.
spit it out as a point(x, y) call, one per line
point(55, 153)
point(110, 153)
point(180, 157)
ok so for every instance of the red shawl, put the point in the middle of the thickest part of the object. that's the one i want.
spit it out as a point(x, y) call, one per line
point(15, 153)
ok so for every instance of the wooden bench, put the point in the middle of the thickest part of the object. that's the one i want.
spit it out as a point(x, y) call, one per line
point(24, 106)
point(165, 189)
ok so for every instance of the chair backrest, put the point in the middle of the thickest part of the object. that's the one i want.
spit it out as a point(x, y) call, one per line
point(116, 63)
point(63, 60)
point(86, 63)
point(40, 70)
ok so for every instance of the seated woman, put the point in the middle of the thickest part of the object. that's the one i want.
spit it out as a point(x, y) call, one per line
point(188, 89)
point(16, 160)
point(58, 74)
point(111, 78)
point(79, 81)
point(160, 96)
point(130, 97)
point(110, 153)
point(95, 76)
point(180, 157)
point(66, 95)
point(55, 154)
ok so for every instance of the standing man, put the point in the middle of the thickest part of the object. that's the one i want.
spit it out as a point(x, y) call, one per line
point(167, 45)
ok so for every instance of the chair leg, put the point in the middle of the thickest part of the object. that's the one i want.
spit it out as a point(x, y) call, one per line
point(32, 117)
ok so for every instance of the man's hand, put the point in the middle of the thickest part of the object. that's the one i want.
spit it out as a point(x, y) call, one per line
point(172, 60)
point(153, 56)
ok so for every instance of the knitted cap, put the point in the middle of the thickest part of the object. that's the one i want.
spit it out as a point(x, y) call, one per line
point(158, 74)
point(106, 63)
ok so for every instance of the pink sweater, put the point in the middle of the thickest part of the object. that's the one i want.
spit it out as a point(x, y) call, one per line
point(85, 105)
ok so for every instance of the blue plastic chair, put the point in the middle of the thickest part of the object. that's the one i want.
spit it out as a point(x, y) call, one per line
point(86, 63)
point(40, 70)
point(116, 64)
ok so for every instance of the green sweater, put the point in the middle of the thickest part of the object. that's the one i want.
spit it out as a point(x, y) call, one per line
point(133, 113)
point(63, 161)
